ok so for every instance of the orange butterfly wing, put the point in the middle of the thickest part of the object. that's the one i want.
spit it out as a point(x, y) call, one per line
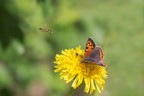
point(90, 45)
point(101, 57)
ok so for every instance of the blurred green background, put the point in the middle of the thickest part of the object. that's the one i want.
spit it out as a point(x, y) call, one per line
point(27, 54)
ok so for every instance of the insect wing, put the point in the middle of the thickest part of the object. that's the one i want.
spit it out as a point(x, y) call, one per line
point(90, 45)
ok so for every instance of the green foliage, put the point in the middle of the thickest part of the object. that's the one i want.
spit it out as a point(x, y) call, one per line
point(27, 54)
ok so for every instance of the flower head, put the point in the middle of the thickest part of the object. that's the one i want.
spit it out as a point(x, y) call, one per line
point(70, 67)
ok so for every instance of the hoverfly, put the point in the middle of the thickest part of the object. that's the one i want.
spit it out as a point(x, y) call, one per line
point(45, 29)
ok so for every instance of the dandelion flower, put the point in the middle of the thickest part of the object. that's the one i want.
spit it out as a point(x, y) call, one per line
point(68, 63)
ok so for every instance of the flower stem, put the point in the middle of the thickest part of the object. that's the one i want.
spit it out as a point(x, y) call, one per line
point(70, 92)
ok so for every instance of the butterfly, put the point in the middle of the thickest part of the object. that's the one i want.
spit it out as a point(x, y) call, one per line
point(45, 29)
point(93, 53)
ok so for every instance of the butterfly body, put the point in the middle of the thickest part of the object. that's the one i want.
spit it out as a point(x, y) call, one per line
point(93, 53)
